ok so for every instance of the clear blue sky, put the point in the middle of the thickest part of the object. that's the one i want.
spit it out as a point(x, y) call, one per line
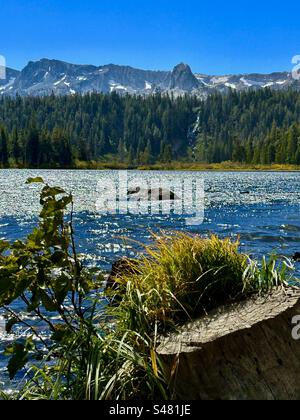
point(214, 37)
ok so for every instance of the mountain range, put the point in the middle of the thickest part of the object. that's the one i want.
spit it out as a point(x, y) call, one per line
point(46, 76)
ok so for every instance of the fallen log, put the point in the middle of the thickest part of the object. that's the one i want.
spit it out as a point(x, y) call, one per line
point(241, 352)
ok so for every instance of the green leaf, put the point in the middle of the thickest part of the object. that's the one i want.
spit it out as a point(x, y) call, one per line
point(58, 257)
point(18, 360)
point(48, 208)
point(4, 245)
point(48, 303)
point(19, 245)
point(51, 191)
point(5, 282)
point(37, 180)
point(10, 324)
point(61, 287)
point(35, 300)
point(61, 333)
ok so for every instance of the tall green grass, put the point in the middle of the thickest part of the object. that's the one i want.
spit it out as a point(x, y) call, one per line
point(182, 277)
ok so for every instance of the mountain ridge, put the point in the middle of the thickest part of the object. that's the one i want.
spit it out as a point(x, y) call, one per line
point(47, 76)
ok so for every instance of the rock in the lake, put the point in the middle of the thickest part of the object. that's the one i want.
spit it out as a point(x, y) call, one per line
point(124, 266)
point(296, 257)
point(151, 194)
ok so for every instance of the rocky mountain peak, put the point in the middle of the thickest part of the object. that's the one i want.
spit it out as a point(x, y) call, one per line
point(183, 78)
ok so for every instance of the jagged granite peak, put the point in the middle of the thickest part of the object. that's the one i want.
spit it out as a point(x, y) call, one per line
point(46, 76)
point(182, 78)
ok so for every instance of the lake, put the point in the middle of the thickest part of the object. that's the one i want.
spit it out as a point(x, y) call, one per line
point(261, 208)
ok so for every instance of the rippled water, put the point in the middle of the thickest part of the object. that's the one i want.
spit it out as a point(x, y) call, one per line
point(260, 208)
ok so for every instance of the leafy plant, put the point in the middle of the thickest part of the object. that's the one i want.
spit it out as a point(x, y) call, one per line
point(85, 356)
point(44, 272)
point(268, 275)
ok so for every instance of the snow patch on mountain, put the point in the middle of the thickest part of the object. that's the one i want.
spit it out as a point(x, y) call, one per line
point(269, 84)
point(230, 85)
point(60, 81)
point(220, 80)
point(246, 82)
point(115, 87)
point(9, 85)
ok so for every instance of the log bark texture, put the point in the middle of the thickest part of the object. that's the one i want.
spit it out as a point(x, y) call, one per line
point(241, 352)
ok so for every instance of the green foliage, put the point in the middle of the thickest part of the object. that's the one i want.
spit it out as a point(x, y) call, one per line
point(253, 127)
point(45, 273)
point(19, 352)
point(3, 146)
point(268, 275)
point(60, 131)
point(35, 180)
point(85, 356)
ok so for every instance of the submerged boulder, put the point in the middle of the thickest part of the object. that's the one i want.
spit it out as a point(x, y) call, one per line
point(123, 266)
point(151, 194)
point(296, 257)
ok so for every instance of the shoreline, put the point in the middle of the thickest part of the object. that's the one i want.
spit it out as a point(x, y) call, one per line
point(174, 166)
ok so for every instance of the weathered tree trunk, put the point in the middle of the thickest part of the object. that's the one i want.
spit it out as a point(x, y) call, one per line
point(242, 352)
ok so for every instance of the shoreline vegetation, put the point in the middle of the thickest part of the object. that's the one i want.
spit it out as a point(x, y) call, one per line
point(103, 344)
point(171, 166)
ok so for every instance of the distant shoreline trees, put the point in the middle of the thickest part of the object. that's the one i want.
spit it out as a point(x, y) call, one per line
point(255, 127)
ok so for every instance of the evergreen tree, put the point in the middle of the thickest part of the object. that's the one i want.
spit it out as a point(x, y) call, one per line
point(292, 144)
point(166, 156)
point(16, 151)
point(3, 146)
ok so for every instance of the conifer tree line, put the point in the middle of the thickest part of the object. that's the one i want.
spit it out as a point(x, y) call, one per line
point(260, 126)
point(56, 131)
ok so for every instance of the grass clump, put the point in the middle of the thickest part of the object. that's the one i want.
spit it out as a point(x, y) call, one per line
point(182, 277)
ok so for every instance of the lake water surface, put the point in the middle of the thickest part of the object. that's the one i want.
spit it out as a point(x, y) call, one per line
point(260, 208)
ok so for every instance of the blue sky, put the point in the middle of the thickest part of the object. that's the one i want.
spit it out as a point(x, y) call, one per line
point(215, 37)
